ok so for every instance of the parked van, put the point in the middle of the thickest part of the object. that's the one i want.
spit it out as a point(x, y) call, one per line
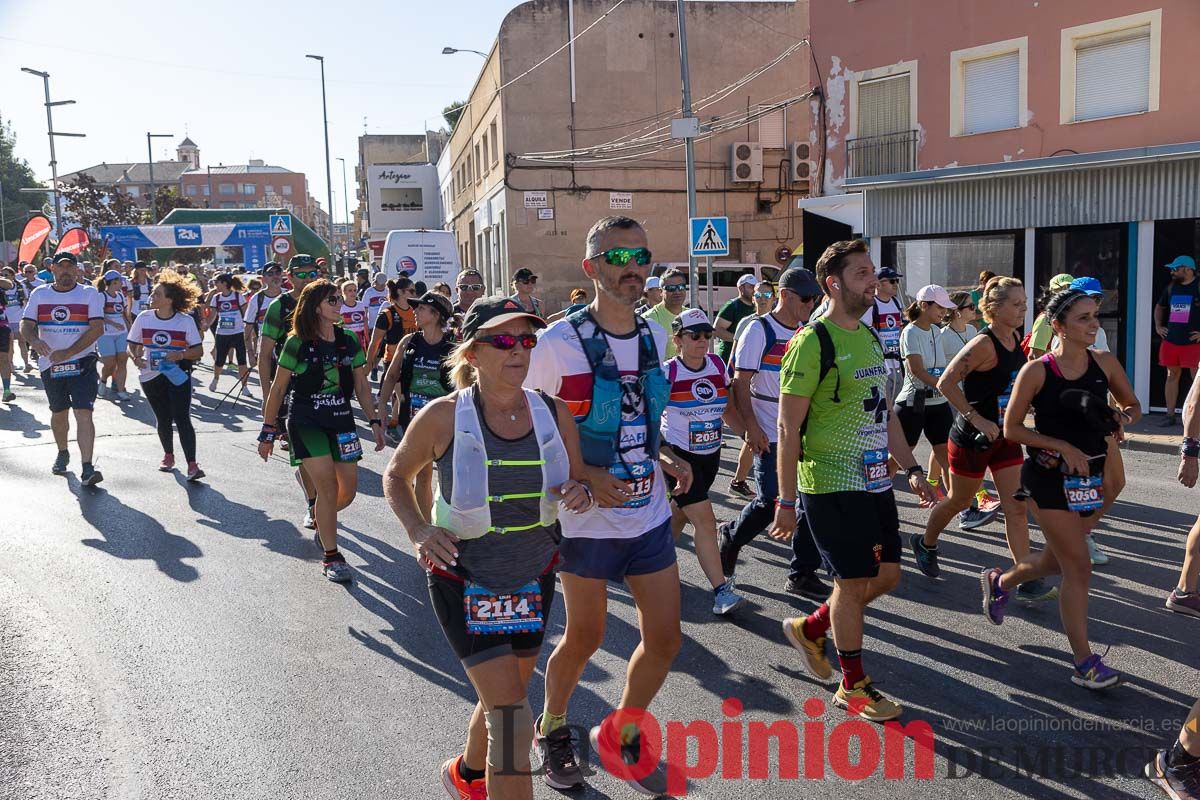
point(422, 255)
point(725, 278)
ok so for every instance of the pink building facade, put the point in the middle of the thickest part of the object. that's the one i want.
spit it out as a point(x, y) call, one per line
point(1027, 138)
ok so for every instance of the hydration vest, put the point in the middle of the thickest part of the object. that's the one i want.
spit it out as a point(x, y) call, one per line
point(600, 430)
point(468, 515)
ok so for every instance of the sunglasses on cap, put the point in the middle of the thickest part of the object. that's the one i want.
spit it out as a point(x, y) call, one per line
point(470, 287)
point(620, 256)
point(306, 274)
point(507, 341)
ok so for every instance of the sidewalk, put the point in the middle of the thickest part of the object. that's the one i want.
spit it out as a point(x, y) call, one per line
point(1147, 435)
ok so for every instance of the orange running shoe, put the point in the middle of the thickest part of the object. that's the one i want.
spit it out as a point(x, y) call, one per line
point(459, 789)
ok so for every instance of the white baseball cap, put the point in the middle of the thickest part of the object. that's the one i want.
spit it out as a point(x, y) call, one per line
point(653, 282)
point(693, 319)
point(935, 294)
point(747, 280)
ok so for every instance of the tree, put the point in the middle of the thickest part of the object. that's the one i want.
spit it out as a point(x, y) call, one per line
point(92, 205)
point(452, 112)
point(168, 200)
point(15, 175)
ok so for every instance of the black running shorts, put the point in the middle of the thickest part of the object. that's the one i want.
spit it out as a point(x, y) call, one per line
point(855, 531)
point(446, 595)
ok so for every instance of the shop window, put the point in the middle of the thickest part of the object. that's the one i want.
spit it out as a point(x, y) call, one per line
point(953, 261)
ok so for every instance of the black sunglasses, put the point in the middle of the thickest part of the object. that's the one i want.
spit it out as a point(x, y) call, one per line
point(527, 280)
point(620, 256)
point(675, 287)
point(968, 305)
point(507, 341)
point(696, 336)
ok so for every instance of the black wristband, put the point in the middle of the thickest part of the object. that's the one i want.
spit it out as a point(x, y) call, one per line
point(268, 433)
point(1190, 447)
point(913, 470)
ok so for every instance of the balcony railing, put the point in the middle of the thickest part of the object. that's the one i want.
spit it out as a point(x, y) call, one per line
point(881, 155)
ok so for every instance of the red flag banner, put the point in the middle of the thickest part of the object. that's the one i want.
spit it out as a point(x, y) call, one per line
point(73, 241)
point(36, 231)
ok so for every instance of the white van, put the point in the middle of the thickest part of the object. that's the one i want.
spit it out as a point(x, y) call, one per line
point(422, 255)
point(725, 278)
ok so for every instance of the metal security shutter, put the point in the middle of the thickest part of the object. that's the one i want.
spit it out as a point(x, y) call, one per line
point(883, 106)
point(771, 129)
point(992, 93)
point(1112, 74)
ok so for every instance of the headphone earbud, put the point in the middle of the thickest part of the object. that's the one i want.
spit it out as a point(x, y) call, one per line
point(836, 285)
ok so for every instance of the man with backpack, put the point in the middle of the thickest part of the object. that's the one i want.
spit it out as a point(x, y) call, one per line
point(756, 358)
point(835, 415)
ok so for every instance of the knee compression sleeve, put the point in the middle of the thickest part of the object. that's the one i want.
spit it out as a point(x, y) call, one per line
point(509, 729)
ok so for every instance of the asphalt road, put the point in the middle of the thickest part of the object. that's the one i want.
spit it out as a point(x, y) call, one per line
point(166, 640)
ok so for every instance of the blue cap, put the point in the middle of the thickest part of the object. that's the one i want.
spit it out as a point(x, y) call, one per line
point(1182, 261)
point(1089, 285)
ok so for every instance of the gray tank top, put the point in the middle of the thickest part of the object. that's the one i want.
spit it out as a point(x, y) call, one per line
point(504, 562)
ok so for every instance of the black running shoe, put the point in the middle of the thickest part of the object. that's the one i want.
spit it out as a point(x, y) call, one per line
point(60, 463)
point(925, 557)
point(742, 488)
point(808, 585)
point(90, 476)
point(560, 767)
point(653, 784)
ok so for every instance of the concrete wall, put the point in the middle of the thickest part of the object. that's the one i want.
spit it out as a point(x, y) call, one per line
point(851, 37)
point(627, 74)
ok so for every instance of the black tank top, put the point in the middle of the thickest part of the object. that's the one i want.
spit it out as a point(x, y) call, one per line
point(984, 388)
point(1052, 418)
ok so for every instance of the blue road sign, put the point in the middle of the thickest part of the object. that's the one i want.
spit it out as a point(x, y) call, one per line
point(710, 236)
point(281, 224)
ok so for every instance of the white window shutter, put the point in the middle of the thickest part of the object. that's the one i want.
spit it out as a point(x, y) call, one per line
point(883, 106)
point(1112, 74)
point(771, 129)
point(992, 93)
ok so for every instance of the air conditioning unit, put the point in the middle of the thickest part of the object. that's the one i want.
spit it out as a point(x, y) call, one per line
point(745, 162)
point(801, 167)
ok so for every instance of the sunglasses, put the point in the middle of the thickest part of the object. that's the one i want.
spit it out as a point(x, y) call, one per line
point(696, 336)
point(507, 341)
point(970, 306)
point(307, 274)
point(528, 280)
point(470, 287)
point(675, 287)
point(764, 295)
point(620, 256)
point(889, 280)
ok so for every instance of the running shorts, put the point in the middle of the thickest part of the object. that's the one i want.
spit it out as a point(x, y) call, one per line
point(446, 596)
point(855, 532)
point(705, 467)
point(1178, 355)
point(972, 463)
point(1045, 486)
point(76, 391)
point(111, 344)
point(228, 341)
point(613, 559)
point(932, 420)
point(307, 441)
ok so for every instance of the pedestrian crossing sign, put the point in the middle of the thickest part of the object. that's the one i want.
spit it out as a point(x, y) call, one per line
point(281, 224)
point(710, 236)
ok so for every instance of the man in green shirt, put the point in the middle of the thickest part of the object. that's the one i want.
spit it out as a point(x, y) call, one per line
point(732, 313)
point(843, 477)
point(277, 324)
point(674, 287)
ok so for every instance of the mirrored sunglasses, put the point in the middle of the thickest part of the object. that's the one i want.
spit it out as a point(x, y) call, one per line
point(620, 256)
point(506, 341)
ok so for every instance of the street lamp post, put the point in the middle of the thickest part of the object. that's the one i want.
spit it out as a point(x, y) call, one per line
point(153, 185)
point(50, 132)
point(345, 201)
point(449, 51)
point(328, 167)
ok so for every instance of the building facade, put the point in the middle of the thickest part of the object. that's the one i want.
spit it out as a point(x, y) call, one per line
point(532, 161)
point(1028, 140)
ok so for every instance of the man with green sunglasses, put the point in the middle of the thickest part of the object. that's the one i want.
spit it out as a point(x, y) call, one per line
point(302, 270)
point(674, 291)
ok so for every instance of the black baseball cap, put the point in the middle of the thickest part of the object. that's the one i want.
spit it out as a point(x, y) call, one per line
point(139, 265)
point(438, 302)
point(523, 274)
point(889, 273)
point(59, 257)
point(489, 311)
point(800, 281)
point(300, 261)
point(272, 266)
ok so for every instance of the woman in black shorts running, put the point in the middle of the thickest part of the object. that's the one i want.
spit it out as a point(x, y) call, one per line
point(322, 366)
point(504, 457)
point(227, 321)
point(986, 369)
point(1062, 476)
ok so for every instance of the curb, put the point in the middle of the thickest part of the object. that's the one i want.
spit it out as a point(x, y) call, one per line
point(1152, 444)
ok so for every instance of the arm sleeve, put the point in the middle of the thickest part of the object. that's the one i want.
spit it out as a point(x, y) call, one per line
point(907, 345)
point(272, 327)
point(748, 350)
point(191, 332)
point(251, 310)
point(30, 312)
point(95, 305)
point(1042, 333)
point(726, 312)
point(135, 330)
point(289, 359)
point(380, 321)
point(1164, 299)
point(800, 372)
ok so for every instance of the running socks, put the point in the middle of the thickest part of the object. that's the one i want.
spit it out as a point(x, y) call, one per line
point(552, 722)
point(334, 555)
point(817, 623)
point(469, 775)
point(1178, 757)
point(852, 669)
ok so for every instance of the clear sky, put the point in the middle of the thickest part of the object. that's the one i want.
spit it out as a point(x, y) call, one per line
point(233, 77)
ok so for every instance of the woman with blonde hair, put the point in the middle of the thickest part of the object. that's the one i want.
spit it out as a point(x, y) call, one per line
point(978, 384)
point(505, 456)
